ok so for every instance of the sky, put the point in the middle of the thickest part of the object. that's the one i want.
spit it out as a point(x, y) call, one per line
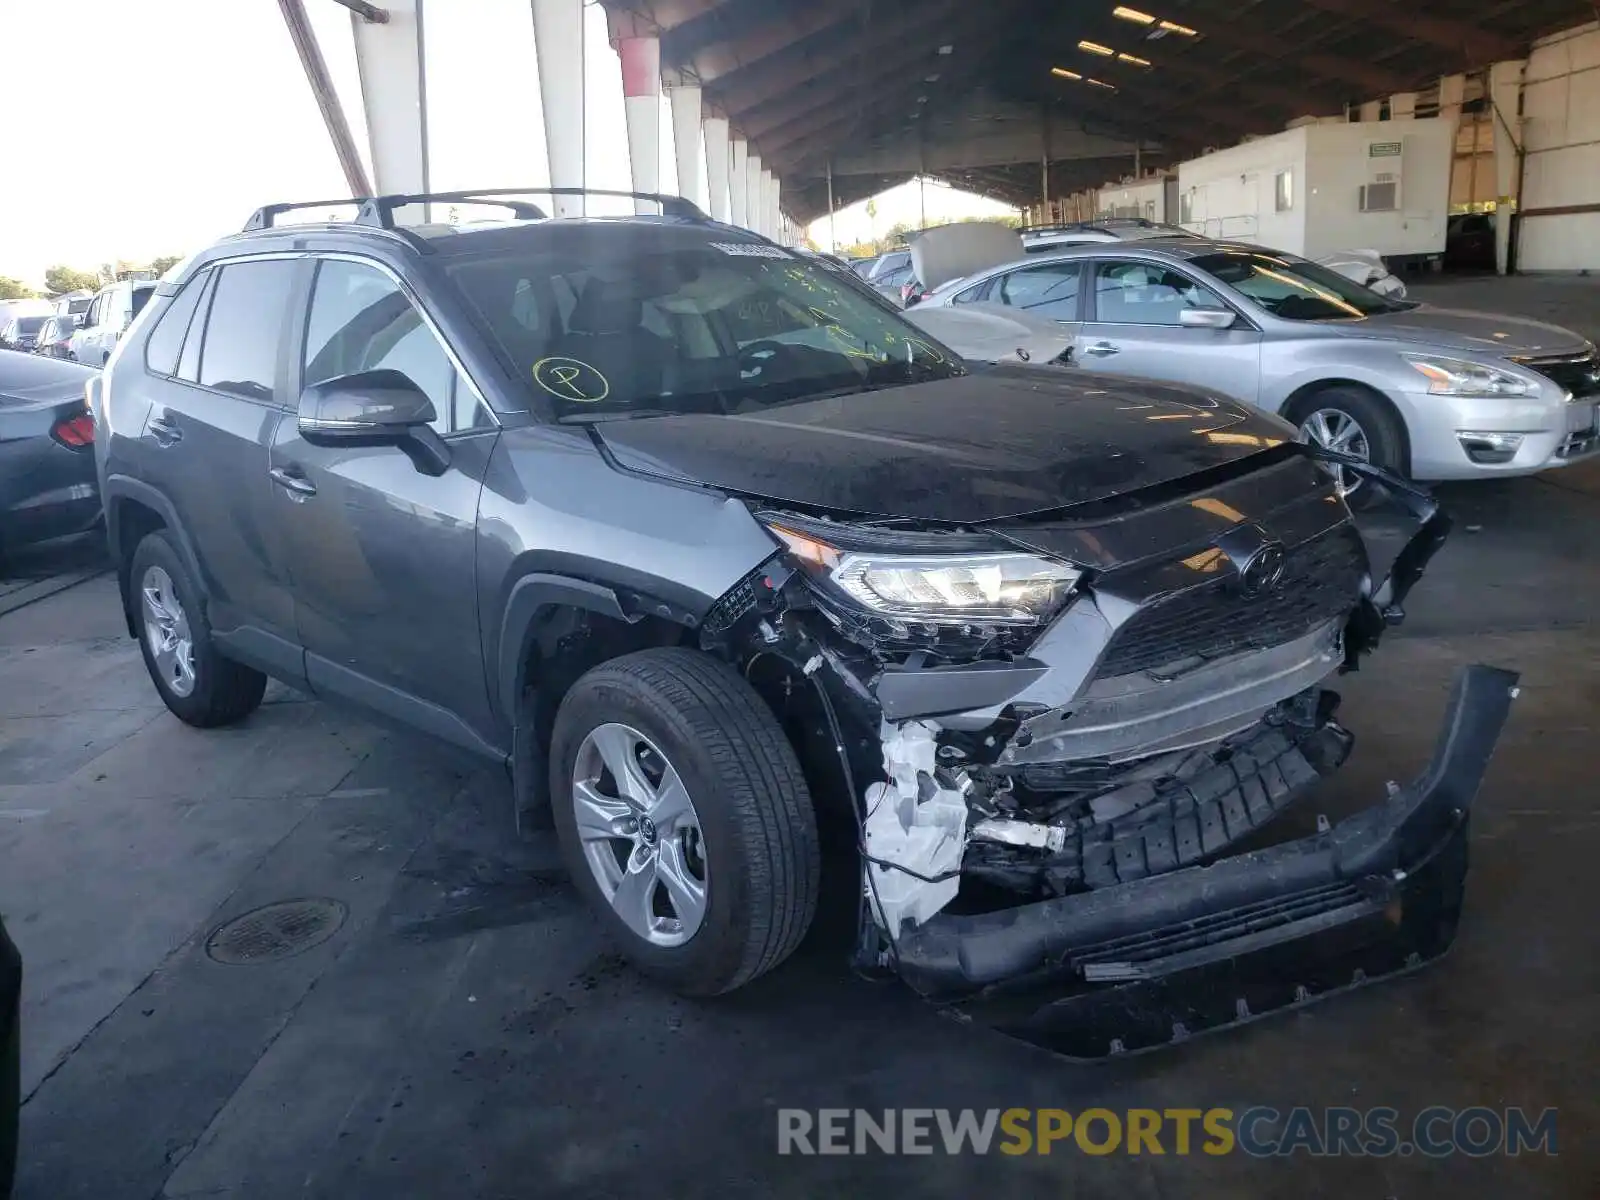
point(198, 113)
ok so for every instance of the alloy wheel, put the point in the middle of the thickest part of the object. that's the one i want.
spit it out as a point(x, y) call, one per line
point(1334, 429)
point(640, 834)
point(166, 631)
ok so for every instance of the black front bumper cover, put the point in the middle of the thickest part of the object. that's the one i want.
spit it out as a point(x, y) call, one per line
point(1152, 962)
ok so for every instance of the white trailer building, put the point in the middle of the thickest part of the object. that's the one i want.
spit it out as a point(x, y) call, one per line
point(1155, 198)
point(1327, 186)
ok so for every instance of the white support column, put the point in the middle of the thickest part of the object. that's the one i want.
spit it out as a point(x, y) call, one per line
point(739, 183)
point(764, 190)
point(558, 41)
point(778, 223)
point(389, 58)
point(641, 107)
point(685, 98)
point(1505, 91)
point(1371, 110)
point(716, 135)
point(752, 193)
point(1402, 106)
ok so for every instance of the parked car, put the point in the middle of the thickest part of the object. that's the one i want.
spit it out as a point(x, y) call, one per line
point(709, 551)
point(1039, 238)
point(10, 1058)
point(889, 273)
point(108, 317)
point(1431, 393)
point(10, 310)
point(54, 338)
point(47, 476)
point(21, 333)
point(74, 305)
point(1469, 242)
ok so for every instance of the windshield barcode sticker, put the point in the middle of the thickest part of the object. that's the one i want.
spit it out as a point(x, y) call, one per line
point(751, 249)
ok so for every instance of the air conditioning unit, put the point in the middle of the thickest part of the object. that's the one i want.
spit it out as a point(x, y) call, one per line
point(1380, 197)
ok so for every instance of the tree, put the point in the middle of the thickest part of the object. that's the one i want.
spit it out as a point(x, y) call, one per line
point(59, 279)
point(165, 263)
point(14, 289)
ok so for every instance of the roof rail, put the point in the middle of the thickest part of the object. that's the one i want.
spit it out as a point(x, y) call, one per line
point(379, 210)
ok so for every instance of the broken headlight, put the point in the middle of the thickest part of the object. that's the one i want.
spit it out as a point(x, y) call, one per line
point(992, 588)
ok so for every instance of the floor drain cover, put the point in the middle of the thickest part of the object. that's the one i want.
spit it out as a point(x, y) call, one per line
point(275, 932)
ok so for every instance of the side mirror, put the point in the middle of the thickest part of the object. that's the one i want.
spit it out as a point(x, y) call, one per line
point(79, 320)
point(1207, 318)
point(374, 408)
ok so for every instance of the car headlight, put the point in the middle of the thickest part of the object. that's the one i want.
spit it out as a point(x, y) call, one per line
point(997, 589)
point(1457, 377)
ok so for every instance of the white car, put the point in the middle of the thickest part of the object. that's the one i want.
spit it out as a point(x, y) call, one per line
point(112, 311)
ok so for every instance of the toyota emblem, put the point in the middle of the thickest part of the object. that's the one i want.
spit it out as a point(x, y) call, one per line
point(1263, 571)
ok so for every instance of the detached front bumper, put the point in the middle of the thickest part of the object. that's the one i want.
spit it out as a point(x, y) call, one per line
point(1152, 962)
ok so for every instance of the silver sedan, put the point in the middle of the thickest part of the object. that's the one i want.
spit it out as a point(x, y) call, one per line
point(1429, 392)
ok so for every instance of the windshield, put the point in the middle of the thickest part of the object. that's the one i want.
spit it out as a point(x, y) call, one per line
point(30, 324)
point(1293, 288)
point(606, 331)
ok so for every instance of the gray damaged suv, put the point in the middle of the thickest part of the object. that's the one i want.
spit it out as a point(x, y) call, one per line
point(726, 564)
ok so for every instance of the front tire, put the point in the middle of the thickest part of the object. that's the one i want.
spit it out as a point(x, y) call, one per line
point(684, 818)
point(199, 685)
point(1353, 421)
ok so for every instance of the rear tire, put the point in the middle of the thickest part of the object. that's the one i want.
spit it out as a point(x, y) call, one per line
point(199, 685)
point(1367, 418)
point(754, 852)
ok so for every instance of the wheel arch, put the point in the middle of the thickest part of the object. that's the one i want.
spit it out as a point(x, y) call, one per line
point(134, 509)
point(553, 628)
point(1295, 402)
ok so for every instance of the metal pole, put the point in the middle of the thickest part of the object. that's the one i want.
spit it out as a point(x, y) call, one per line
point(316, 69)
point(833, 236)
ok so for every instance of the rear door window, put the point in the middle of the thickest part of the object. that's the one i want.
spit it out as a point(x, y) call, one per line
point(1049, 291)
point(244, 328)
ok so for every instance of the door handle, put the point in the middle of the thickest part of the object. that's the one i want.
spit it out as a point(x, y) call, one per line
point(1102, 350)
point(293, 482)
point(164, 431)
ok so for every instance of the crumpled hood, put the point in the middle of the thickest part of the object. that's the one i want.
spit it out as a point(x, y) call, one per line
point(997, 443)
point(1477, 332)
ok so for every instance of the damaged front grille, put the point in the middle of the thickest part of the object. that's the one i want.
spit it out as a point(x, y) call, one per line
point(1322, 580)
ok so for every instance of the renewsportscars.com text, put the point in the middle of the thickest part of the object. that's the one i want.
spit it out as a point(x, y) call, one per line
point(1259, 1131)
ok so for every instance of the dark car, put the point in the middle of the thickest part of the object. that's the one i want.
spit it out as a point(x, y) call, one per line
point(47, 475)
point(20, 333)
point(719, 559)
point(1469, 242)
point(55, 337)
point(10, 1058)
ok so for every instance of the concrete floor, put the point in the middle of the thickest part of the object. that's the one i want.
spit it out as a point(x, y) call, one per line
point(466, 1033)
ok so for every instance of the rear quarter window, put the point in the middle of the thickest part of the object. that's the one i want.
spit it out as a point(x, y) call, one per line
point(165, 343)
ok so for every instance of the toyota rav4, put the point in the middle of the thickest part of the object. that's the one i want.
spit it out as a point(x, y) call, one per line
point(716, 557)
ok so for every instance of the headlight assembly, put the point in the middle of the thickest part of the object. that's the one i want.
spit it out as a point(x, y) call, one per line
point(1458, 377)
point(993, 589)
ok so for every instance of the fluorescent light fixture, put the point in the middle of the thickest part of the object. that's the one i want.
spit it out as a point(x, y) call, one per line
point(1064, 73)
point(1134, 59)
point(947, 49)
point(1098, 83)
point(1174, 27)
point(1096, 48)
point(1134, 15)
point(934, 78)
